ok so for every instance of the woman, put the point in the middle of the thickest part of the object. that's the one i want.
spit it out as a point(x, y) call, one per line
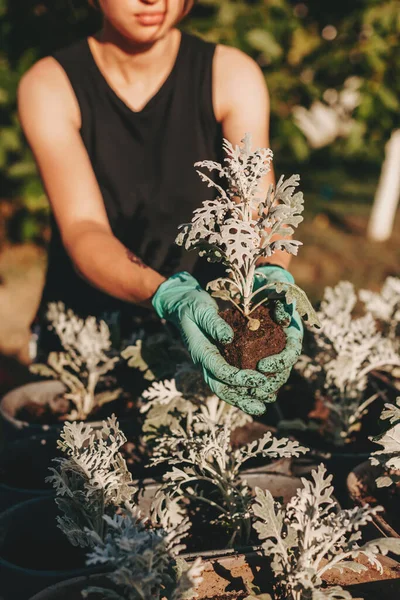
point(116, 122)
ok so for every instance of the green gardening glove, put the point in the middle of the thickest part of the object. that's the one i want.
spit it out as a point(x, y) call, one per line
point(182, 301)
point(278, 366)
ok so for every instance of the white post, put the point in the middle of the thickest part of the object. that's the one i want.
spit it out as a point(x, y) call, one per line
point(387, 194)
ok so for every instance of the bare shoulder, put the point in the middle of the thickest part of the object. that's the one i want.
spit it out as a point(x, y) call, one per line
point(44, 91)
point(236, 76)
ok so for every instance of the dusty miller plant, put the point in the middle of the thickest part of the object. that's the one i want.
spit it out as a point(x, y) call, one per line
point(208, 459)
point(91, 480)
point(346, 350)
point(389, 456)
point(311, 535)
point(171, 405)
point(83, 363)
point(239, 227)
point(385, 307)
point(144, 560)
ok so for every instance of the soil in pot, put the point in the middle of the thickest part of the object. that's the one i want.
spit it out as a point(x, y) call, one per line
point(248, 347)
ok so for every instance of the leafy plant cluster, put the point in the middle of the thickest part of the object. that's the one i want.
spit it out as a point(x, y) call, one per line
point(94, 493)
point(238, 228)
point(91, 480)
point(172, 405)
point(312, 535)
point(389, 456)
point(311, 55)
point(305, 539)
point(346, 350)
point(144, 560)
point(83, 363)
point(206, 469)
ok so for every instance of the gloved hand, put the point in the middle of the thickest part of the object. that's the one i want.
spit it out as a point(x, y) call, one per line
point(182, 301)
point(286, 315)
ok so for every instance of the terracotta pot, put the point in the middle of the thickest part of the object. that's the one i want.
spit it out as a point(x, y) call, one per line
point(363, 490)
point(23, 468)
point(34, 553)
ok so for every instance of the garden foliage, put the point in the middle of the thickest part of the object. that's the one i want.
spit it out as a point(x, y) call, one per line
point(311, 535)
point(206, 469)
point(83, 363)
point(91, 480)
point(288, 40)
point(143, 560)
point(239, 227)
point(172, 404)
point(389, 456)
point(346, 350)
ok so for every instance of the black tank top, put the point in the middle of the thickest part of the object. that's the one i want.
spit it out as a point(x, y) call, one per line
point(143, 162)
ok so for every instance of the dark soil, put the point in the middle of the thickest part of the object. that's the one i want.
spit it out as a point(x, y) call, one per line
point(248, 347)
point(25, 464)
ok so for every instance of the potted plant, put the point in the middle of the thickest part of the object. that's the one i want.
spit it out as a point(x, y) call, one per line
point(342, 397)
point(78, 371)
point(174, 402)
point(385, 307)
point(238, 228)
point(310, 536)
point(204, 480)
point(378, 481)
point(142, 561)
point(91, 480)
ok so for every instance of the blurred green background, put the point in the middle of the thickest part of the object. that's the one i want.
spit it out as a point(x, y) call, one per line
point(309, 51)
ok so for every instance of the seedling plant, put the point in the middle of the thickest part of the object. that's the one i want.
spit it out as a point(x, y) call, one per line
point(238, 228)
point(82, 364)
point(346, 350)
point(312, 535)
point(206, 469)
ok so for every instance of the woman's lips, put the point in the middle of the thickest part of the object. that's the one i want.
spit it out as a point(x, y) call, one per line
point(150, 19)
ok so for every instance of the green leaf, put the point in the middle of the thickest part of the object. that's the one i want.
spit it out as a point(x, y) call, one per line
point(265, 42)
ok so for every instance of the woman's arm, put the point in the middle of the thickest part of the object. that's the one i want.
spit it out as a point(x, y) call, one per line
point(50, 117)
point(241, 103)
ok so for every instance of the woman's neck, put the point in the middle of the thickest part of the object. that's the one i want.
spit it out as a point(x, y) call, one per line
point(124, 59)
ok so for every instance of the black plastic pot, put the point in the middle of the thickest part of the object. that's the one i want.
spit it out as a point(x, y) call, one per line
point(34, 553)
point(39, 392)
point(42, 392)
point(24, 466)
point(72, 589)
